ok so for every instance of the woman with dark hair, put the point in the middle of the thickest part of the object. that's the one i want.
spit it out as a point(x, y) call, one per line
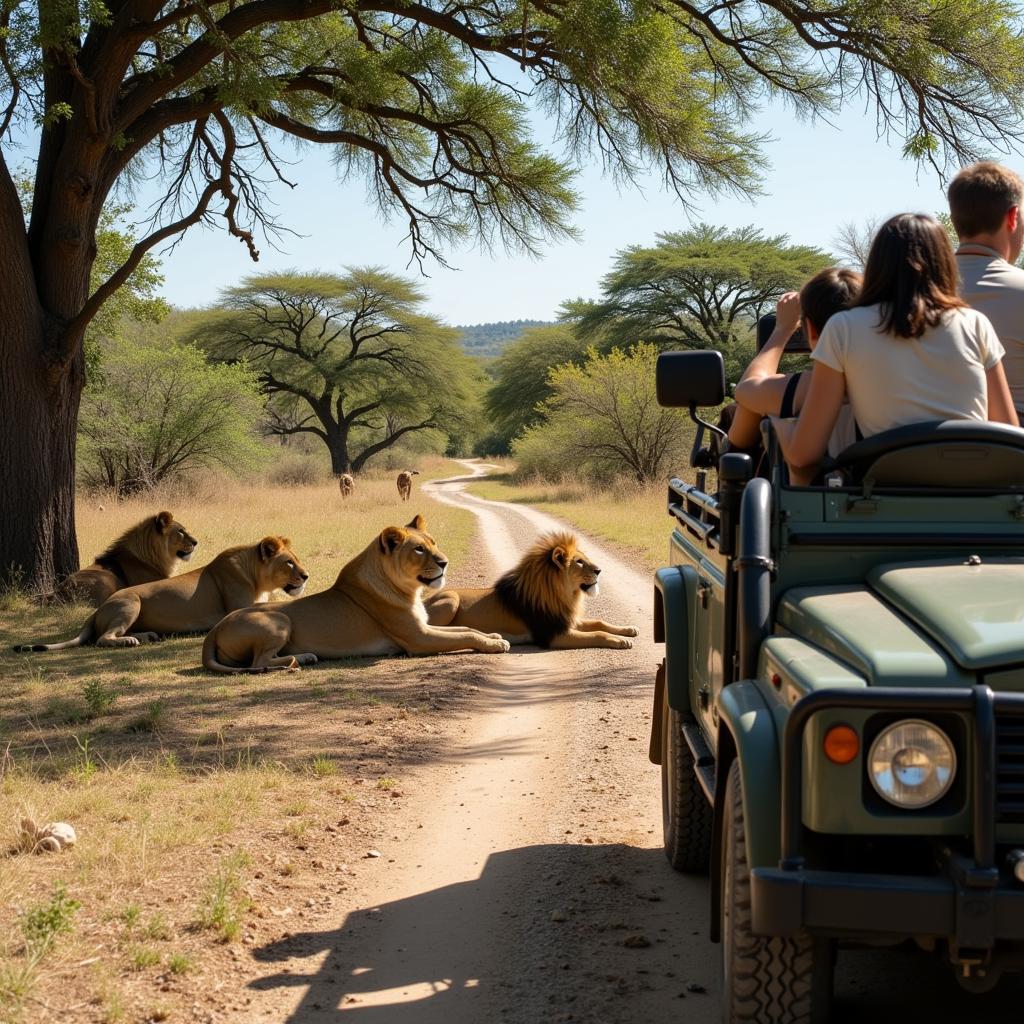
point(907, 351)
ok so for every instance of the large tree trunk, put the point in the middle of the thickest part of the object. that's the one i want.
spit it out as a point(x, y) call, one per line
point(37, 455)
point(340, 462)
point(41, 378)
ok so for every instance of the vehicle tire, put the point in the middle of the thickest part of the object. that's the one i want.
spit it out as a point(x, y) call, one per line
point(686, 815)
point(764, 980)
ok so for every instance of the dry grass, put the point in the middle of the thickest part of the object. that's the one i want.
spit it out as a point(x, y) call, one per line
point(181, 785)
point(628, 515)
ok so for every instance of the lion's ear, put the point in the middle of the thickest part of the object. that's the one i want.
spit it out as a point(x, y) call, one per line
point(163, 521)
point(560, 557)
point(419, 523)
point(391, 538)
point(269, 546)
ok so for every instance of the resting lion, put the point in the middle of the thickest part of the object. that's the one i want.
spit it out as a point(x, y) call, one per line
point(537, 602)
point(149, 551)
point(374, 608)
point(193, 602)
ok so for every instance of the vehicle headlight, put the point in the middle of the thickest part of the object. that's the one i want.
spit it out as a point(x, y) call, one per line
point(912, 763)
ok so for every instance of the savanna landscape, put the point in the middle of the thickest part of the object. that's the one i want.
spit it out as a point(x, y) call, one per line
point(236, 238)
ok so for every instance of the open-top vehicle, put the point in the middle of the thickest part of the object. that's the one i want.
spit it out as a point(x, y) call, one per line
point(839, 717)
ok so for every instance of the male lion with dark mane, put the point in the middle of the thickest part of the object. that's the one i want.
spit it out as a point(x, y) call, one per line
point(149, 551)
point(193, 602)
point(374, 608)
point(537, 602)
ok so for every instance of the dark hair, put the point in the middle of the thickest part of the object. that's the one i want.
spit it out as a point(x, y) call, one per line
point(911, 273)
point(980, 197)
point(828, 292)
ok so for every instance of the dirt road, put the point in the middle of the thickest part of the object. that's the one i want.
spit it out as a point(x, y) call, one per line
point(524, 881)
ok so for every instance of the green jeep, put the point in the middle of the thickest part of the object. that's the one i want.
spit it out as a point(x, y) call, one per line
point(839, 717)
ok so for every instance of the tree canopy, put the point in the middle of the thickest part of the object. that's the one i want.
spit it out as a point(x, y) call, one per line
point(700, 288)
point(350, 358)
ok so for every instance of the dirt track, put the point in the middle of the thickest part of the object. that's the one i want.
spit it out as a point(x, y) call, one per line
point(523, 879)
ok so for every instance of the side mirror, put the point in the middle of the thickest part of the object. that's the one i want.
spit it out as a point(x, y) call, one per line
point(684, 380)
point(765, 326)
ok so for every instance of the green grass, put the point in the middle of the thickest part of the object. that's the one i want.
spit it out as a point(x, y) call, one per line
point(225, 904)
point(142, 957)
point(323, 767)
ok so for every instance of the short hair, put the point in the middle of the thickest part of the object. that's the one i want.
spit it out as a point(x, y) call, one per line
point(827, 293)
point(911, 273)
point(980, 197)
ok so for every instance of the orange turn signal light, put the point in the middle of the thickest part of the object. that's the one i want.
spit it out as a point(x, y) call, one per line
point(842, 744)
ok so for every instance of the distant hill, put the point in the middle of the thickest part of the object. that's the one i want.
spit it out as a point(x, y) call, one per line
point(488, 340)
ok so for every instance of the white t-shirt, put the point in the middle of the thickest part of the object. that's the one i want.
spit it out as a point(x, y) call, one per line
point(892, 381)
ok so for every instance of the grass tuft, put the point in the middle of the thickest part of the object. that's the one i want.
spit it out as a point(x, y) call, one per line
point(225, 904)
point(323, 767)
point(99, 699)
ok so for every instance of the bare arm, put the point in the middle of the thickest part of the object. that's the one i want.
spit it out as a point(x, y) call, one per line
point(805, 440)
point(1000, 401)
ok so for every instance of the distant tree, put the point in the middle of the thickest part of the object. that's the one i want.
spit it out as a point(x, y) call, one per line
point(604, 416)
point(700, 288)
point(351, 359)
point(852, 242)
point(162, 411)
point(521, 380)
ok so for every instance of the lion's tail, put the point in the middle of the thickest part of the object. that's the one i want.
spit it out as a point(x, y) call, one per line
point(212, 664)
point(87, 635)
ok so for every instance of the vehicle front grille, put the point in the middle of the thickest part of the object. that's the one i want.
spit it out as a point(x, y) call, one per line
point(1009, 769)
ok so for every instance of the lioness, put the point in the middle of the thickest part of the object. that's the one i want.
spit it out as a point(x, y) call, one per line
point(405, 483)
point(537, 602)
point(346, 484)
point(148, 551)
point(375, 607)
point(193, 602)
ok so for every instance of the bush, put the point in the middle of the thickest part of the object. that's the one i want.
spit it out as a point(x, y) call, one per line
point(603, 419)
point(297, 471)
point(161, 412)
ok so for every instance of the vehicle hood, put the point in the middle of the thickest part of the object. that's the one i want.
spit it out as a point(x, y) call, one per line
point(927, 623)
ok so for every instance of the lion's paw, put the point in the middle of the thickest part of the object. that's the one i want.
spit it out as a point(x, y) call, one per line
point(148, 638)
point(631, 631)
point(306, 659)
point(498, 646)
point(622, 644)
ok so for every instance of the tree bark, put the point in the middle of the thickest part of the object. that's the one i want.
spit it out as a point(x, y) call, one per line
point(37, 455)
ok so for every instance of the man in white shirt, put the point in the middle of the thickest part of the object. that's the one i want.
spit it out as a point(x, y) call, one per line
point(985, 206)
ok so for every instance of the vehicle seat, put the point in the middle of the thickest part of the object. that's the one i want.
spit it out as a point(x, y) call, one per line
point(940, 454)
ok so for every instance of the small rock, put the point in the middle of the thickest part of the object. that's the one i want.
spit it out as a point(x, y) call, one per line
point(559, 915)
point(636, 941)
point(695, 988)
point(373, 853)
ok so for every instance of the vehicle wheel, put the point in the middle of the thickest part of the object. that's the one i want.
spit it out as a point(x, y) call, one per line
point(764, 980)
point(686, 815)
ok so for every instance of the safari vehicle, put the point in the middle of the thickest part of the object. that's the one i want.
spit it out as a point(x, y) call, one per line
point(839, 717)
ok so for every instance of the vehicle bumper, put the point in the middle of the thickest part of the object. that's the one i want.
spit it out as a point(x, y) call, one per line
point(897, 906)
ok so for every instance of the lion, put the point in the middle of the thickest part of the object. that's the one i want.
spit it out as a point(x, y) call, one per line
point(193, 602)
point(537, 602)
point(374, 608)
point(346, 484)
point(405, 483)
point(149, 551)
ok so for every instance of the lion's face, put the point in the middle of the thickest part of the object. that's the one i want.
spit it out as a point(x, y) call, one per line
point(411, 557)
point(578, 573)
point(279, 568)
point(178, 542)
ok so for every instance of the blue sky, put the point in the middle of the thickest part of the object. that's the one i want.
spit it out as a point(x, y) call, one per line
point(817, 176)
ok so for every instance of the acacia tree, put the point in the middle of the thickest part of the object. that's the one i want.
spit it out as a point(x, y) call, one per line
point(351, 358)
point(700, 288)
point(427, 98)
